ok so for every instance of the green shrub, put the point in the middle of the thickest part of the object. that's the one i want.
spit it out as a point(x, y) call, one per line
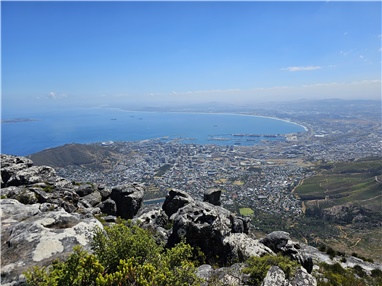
point(359, 271)
point(376, 273)
point(122, 255)
point(257, 267)
point(120, 242)
point(81, 268)
point(335, 275)
point(331, 252)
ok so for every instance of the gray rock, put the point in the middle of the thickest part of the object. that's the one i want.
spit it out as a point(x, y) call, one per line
point(279, 242)
point(93, 198)
point(105, 193)
point(21, 194)
point(84, 189)
point(303, 278)
point(128, 198)
point(110, 218)
point(175, 200)
point(10, 165)
point(240, 224)
point(276, 240)
point(46, 207)
point(232, 275)
point(108, 207)
point(154, 216)
point(205, 226)
point(275, 276)
point(242, 246)
point(212, 196)
point(31, 175)
point(205, 272)
point(156, 220)
point(32, 237)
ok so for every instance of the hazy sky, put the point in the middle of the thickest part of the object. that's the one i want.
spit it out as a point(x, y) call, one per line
point(121, 52)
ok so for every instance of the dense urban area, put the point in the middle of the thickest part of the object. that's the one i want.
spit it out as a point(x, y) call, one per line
point(262, 176)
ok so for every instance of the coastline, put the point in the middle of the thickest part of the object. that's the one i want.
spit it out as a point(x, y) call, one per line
point(92, 125)
point(207, 113)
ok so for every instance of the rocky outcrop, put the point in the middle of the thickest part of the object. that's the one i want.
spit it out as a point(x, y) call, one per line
point(202, 225)
point(108, 207)
point(346, 214)
point(280, 242)
point(175, 200)
point(232, 275)
point(242, 246)
point(206, 226)
point(37, 234)
point(275, 276)
point(128, 199)
point(212, 196)
point(43, 216)
point(155, 220)
point(29, 184)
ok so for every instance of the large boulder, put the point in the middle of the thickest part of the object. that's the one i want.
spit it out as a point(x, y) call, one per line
point(155, 220)
point(92, 199)
point(108, 207)
point(205, 226)
point(242, 247)
point(175, 200)
point(128, 199)
point(10, 165)
point(31, 176)
point(37, 234)
point(280, 242)
point(232, 275)
point(275, 276)
point(303, 278)
point(212, 196)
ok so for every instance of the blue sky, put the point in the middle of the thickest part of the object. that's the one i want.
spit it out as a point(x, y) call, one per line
point(92, 53)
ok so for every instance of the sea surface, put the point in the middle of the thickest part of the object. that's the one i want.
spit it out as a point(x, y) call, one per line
point(36, 132)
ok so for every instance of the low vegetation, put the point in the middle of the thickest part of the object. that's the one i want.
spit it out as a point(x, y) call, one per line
point(246, 211)
point(343, 182)
point(125, 254)
point(354, 184)
point(335, 275)
point(258, 267)
point(122, 255)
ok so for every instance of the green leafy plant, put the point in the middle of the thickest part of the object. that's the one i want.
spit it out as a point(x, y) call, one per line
point(122, 255)
point(257, 267)
point(335, 275)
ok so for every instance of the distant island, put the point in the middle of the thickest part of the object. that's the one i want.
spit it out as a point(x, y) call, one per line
point(18, 120)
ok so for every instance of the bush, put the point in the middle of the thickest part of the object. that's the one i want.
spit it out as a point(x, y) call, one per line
point(120, 242)
point(81, 268)
point(257, 267)
point(331, 252)
point(335, 275)
point(359, 270)
point(322, 248)
point(122, 255)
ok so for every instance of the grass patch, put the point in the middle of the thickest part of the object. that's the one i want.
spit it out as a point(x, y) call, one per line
point(246, 211)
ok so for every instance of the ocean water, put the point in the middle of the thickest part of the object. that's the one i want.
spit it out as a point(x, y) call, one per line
point(81, 125)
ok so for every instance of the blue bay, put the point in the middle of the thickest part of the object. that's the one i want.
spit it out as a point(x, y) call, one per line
point(89, 125)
